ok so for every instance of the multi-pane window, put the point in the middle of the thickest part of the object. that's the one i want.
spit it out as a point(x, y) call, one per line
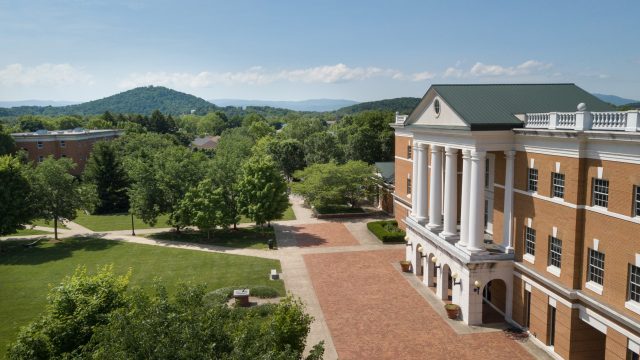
point(636, 200)
point(557, 185)
point(600, 192)
point(555, 251)
point(408, 186)
point(596, 266)
point(409, 154)
point(529, 241)
point(634, 283)
point(532, 183)
point(39, 144)
point(63, 143)
point(40, 158)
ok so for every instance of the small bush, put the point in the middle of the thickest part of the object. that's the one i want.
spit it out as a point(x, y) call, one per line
point(338, 209)
point(387, 231)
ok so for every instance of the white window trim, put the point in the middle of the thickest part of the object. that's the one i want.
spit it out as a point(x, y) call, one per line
point(553, 270)
point(633, 306)
point(530, 258)
point(594, 286)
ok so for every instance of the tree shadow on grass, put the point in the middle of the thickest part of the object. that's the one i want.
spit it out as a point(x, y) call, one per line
point(254, 237)
point(15, 252)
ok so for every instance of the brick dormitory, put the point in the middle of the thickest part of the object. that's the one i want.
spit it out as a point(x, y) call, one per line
point(521, 203)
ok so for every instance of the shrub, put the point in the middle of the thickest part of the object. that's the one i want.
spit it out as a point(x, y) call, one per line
point(387, 231)
point(338, 209)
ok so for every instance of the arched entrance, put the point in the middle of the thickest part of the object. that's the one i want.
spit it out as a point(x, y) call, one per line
point(419, 266)
point(430, 275)
point(494, 301)
point(445, 288)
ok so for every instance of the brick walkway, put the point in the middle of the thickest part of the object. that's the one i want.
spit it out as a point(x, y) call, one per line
point(324, 234)
point(373, 313)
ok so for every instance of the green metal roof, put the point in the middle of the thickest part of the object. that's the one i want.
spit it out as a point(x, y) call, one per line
point(493, 106)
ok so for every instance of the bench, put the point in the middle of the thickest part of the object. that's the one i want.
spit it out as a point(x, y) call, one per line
point(274, 275)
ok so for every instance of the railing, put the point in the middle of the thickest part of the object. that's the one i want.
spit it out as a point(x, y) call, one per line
point(585, 120)
point(400, 119)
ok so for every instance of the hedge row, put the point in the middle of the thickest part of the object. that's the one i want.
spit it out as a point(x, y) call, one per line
point(387, 231)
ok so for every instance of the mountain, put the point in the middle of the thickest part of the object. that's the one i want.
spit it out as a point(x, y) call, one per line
point(10, 104)
point(304, 105)
point(615, 100)
point(403, 105)
point(142, 100)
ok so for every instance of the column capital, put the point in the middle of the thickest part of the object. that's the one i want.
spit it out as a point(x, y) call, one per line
point(478, 155)
point(436, 148)
point(510, 154)
point(466, 154)
point(450, 151)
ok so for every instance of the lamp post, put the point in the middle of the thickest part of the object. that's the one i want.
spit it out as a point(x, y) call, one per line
point(133, 229)
point(476, 286)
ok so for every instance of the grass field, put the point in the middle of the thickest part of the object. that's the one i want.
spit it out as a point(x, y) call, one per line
point(26, 273)
point(251, 238)
point(41, 222)
point(31, 232)
point(123, 221)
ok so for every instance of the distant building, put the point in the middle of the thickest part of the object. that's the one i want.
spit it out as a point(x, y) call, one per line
point(205, 142)
point(521, 203)
point(75, 144)
point(384, 195)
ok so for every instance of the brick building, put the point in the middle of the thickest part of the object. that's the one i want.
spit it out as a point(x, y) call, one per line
point(522, 203)
point(75, 144)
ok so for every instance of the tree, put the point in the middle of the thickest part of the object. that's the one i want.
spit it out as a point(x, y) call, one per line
point(7, 144)
point(333, 184)
point(16, 207)
point(105, 170)
point(322, 147)
point(68, 122)
point(226, 168)
point(30, 123)
point(204, 206)
point(75, 309)
point(366, 136)
point(288, 155)
point(262, 190)
point(59, 194)
point(301, 128)
point(260, 129)
point(211, 124)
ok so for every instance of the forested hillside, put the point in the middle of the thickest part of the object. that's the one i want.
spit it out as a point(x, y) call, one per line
point(404, 105)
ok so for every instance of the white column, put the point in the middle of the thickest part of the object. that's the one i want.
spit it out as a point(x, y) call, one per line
point(450, 193)
point(476, 202)
point(464, 201)
point(421, 183)
point(414, 182)
point(435, 188)
point(507, 226)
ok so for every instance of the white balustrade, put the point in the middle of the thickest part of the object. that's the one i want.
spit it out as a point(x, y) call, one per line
point(400, 119)
point(585, 120)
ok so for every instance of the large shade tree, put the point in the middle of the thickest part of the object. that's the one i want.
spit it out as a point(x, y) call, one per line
point(105, 169)
point(262, 190)
point(16, 202)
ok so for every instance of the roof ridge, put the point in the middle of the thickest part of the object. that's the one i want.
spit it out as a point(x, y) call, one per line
point(502, 84)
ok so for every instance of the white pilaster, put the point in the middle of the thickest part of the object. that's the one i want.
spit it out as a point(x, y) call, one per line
point(450, 194)
point(421, 183)
point(476, 202)
point(464, 201)
point(507, 228)
point(414, 182)
point(435, 188)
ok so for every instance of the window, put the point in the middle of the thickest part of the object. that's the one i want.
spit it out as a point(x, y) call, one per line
point(600, 192)
point(436, 106)
point(527, 308)
point(596, 267)
point(636, 201)
point(409, 151)
point(64, 156)
point(39, 144)
point(532, 183)
point(557, 185)
point(632, 356)
point(487, 163)
point(634, 283)
point(63, 143)
point(40, 158)
point(408, 186)
point(529, 241)
point(555, 252)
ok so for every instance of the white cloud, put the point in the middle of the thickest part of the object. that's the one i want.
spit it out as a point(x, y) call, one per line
point(327, 74)
point(479, 69)
point(421, 76)
point(43, 75)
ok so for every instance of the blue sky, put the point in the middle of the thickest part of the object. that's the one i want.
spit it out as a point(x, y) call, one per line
point(293, 50)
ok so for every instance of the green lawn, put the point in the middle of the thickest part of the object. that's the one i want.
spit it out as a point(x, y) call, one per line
point(28, 231)
point(41, 222)
point(26, 273)
point(116, 222)
point(252, 238)
point(123, 221)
